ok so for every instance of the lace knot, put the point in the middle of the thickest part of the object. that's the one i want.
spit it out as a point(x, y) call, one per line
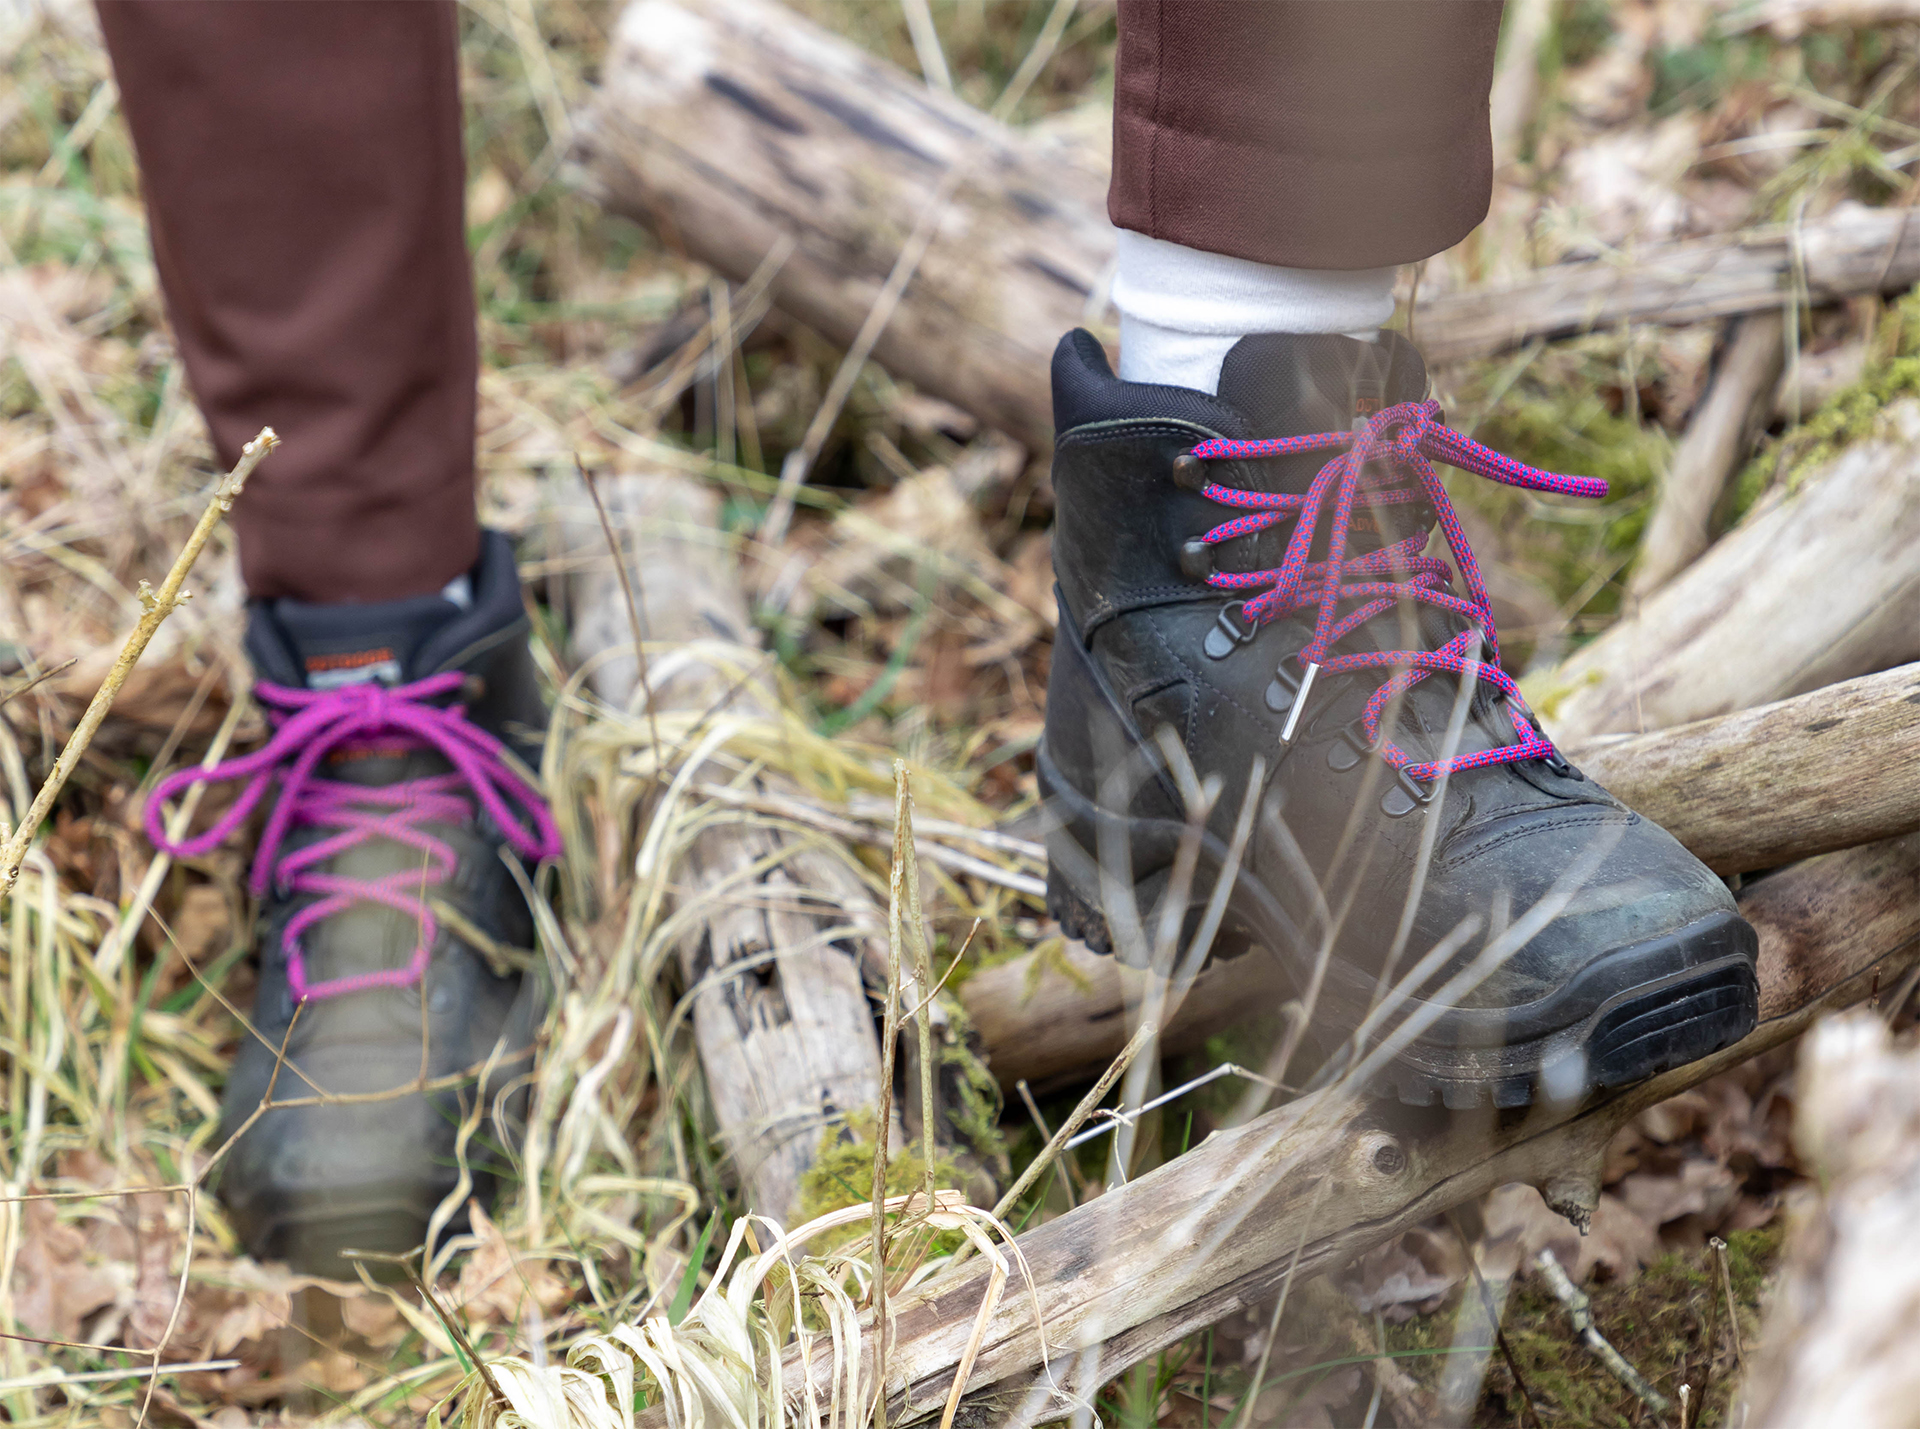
point(312, 726)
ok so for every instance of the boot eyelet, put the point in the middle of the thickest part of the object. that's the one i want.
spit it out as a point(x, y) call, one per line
point(1189, 472)
point(1406, 795)
point(1196, 559)
point(1228, 634)
point(1282, 689)
point(1349, 749)
point(1559, 765)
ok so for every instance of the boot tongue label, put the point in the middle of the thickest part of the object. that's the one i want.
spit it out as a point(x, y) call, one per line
point(352, 667)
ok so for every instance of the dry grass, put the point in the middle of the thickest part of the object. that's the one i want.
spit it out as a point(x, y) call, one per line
point(907, 619)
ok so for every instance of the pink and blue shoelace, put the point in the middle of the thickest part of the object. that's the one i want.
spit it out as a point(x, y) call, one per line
point(1379, 456)
point(313, 726)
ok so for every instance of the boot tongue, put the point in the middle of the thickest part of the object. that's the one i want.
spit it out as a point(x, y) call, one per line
point(1289, 384)
point(323, 647)
point(1293, 384)
point(328, 647)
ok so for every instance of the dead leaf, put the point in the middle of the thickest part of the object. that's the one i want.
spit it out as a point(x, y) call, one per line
point(1619, 1244)
point(375, 1319)
point(497, 1285)
point(1409, 1275)
point(56, 1284)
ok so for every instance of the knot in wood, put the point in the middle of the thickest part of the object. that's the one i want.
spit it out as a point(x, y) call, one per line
point(1382, 1154)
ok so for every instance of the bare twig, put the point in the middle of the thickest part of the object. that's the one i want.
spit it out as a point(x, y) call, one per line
point(1580, 1312)
point(159, 605)
point(39, 679)
point(1733, 1307)
point(635, 600)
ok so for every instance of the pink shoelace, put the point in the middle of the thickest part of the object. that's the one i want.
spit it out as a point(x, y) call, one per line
point(310, 726)
point(1381, 451)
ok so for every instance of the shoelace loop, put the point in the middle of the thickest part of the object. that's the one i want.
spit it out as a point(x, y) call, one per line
point(309, 727)
point(1370, 469)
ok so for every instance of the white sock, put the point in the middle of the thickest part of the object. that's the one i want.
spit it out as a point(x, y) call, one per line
point(1182, 309)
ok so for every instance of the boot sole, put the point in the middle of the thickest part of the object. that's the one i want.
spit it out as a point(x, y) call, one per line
point(1632, 1014)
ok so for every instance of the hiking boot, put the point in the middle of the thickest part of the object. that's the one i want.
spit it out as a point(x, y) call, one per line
point(1246, 598)
point(394, 939)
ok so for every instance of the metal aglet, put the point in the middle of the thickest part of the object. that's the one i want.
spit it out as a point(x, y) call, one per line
point(1299, 704)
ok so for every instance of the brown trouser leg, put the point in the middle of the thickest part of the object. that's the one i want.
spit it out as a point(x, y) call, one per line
point(305, 187)
point(1304, 133)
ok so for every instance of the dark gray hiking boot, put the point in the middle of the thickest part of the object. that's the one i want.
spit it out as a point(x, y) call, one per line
point(394, 938)
point(1467, 915)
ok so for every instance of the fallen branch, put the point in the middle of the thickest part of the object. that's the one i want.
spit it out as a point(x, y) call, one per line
point(1316, 1182)
point(1697, 280)
point(1579, 1308)
point(1763, 787)
point(158, 606)
point(1717, 442)
point(737, 126)
point(780, 1013)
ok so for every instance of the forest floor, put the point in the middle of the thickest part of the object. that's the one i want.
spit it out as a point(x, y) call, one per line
point(1655, 119)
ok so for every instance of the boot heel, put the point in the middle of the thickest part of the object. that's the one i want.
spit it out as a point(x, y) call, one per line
point(1077, 918)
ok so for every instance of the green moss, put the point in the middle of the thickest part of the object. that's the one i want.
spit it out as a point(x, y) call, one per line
point(1847, 417)
point(1659, 1320)
point(1850, 415)
point(973, 1095)
point(842, 1172)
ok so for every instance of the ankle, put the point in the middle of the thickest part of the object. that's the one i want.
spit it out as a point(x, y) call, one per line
point(1182, 309)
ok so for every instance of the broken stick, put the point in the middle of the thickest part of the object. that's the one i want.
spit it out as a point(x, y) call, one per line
point(1718, 439)
point(1316, 1182)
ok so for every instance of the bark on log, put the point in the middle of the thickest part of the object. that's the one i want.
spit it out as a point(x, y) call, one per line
point(1308, 1186)
point(1852, 252)
point(1841, 1347)
point(1757, 789)
point(1818, 585)
point(783, 1026)
point(1717, 442)
point(1826, 770)
point(736, 125)
point(1043, 1023)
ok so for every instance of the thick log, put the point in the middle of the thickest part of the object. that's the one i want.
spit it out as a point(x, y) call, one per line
point(1718, 439)
point(1757, 789)
point(781, 1019)
point(736, 126)
point(1817, 585)
point(1045, 1022)
point(1852, 252)
point(1307, 1187)
point(1841, 1347)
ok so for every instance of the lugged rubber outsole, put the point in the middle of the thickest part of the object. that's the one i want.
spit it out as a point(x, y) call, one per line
point(1638, 1034)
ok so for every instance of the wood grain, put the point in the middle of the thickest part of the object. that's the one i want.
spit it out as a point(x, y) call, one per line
point(1836, 767)
point(781, 1019)
point(1309, 1186)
